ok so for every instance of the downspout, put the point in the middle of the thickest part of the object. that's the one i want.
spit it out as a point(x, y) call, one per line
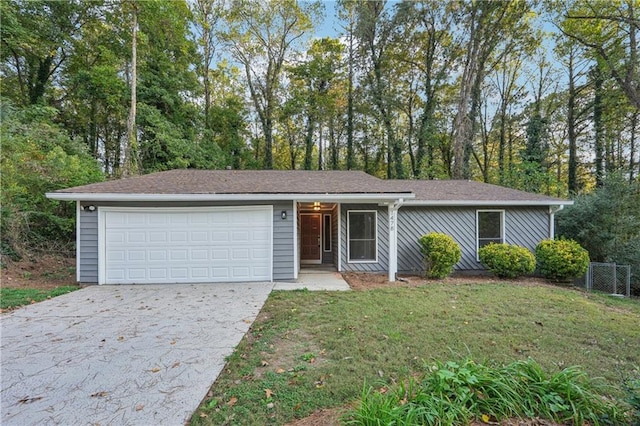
point(393, 238)
point(552, 215)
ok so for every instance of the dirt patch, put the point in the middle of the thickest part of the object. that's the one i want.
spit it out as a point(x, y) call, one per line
point(324, 417)
point(45, 273)
point(367, 281)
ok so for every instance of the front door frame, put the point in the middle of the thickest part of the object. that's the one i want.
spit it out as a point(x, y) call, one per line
point(312, 261)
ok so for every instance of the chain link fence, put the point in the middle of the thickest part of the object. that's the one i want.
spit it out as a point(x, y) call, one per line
point(608, 278)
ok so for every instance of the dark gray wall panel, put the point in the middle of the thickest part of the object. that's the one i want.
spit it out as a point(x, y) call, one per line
point(88, 250)
point(524, 226)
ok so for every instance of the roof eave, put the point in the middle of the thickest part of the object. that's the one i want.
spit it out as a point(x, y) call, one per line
point(117, 197)
point(486, 203)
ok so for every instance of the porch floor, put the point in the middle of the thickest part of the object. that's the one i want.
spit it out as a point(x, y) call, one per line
point(316, 278)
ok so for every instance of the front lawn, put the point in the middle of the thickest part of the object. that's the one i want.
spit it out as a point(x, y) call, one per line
point(11, 298)
point(309, 351)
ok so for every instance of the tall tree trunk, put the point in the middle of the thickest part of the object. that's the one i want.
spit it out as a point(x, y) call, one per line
point(598, 126)
point(320, 149)
point(130, 166)
point(350, 156)
point(571, 132)
point(308, 144)
point(632, 145)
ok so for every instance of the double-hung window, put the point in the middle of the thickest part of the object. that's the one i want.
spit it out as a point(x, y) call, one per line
point(490, 227)
point(362, 235)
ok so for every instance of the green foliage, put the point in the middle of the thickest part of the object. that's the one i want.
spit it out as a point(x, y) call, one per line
point(606, 222)
point(561, 259)
point(456, 393)
point(632, 389)
point(507, 261)
point(38, 157)
point(441, 253)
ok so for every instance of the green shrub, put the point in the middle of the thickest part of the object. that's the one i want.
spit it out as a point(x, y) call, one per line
point(507, 261)
point(561, 259)
point(457, 393)
point(441, 253)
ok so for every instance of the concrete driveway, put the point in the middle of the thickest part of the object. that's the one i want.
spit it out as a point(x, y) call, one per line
point(121, 355)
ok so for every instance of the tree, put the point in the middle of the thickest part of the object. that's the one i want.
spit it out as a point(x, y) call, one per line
point(610, 31)
point(38, 156)
point(312, 88)
point(130, 163)
point(207, 14)
point(260, 36)
point(428, 48)
point(486, 25)
point(607, 223)
point(38, 37)
point(374, 31)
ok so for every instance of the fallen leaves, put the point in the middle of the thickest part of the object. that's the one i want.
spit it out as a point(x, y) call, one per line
point(139, 407)
point(155, 369)
point(100, 394)
point(29, 400)
point(268, 393)
point(232, 401)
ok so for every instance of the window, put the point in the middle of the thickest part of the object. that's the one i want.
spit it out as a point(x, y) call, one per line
point(361, 230)
point(327, 232)
point(490, 227)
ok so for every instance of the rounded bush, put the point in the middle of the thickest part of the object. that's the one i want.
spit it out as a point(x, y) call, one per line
point(561, 259)
point(441, 253)
point(507, 261)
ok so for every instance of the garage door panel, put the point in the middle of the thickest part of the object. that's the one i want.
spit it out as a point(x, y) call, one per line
point(220, 244)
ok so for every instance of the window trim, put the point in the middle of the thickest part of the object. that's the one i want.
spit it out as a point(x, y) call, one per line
point(327, 238)
point(502, 227)
point(375, 218)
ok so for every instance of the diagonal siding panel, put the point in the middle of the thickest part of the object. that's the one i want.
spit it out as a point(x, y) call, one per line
point(525, 226)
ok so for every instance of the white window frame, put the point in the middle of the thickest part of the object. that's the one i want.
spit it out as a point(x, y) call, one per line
point(375, 219)
point(326, 229)
point(502, 227)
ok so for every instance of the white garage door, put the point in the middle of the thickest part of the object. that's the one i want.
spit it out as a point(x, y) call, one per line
point(195, 245)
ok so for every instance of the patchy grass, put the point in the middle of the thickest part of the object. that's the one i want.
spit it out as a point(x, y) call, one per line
point(11, 298)
point(309, 351)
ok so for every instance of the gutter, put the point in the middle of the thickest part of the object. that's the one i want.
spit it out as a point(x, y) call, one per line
point(485, 203)
point(115, 197)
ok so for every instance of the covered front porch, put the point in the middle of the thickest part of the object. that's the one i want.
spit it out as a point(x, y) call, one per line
point(346, 235)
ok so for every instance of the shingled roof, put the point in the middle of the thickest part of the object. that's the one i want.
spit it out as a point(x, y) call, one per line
point(464, 191)
point(273, 183)
point(191, 181)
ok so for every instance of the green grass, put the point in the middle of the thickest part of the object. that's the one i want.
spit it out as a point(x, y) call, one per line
point(15, 297)
point(320, 350)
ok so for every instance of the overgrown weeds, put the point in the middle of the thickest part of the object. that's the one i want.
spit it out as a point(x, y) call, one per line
point(455, 393)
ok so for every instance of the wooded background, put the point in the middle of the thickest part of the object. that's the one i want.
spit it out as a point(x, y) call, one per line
point(542, 96)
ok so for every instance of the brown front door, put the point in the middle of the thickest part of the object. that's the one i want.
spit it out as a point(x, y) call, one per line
point(310, 227)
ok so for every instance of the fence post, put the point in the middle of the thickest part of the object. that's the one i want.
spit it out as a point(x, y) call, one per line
point(628, 280)
point(615, 279)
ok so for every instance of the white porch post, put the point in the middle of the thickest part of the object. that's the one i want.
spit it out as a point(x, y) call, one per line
point(552, 224)
point(393, 239)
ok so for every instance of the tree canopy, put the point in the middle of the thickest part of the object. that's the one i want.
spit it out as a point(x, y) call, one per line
point(536, 95)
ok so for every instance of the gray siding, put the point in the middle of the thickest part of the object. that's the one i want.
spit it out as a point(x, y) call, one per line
point(382, 264)
point(283, 259)
point(524, 226)
point(88, 250)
